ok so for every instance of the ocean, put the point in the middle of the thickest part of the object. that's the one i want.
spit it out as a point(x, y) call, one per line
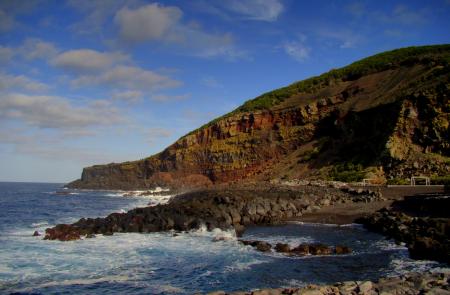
point(164, 263)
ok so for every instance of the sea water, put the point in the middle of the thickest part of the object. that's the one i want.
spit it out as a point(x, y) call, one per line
point(164, 263)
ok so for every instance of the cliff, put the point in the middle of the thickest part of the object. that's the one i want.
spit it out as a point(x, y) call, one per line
point(385, 117)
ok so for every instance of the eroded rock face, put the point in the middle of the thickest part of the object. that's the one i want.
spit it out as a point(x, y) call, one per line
point(396, 119)
point(233, 208)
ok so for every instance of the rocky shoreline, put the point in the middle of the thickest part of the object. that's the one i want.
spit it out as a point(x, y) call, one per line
point(224, 208)
point(411, 284)
point(422, 222)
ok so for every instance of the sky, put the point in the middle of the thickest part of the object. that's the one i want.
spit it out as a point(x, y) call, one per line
point(91, 82)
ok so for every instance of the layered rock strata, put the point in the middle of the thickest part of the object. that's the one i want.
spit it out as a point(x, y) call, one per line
point(390, 110)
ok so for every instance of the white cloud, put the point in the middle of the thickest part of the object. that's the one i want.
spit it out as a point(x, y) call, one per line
point(153, 135)
point(21, 82)
point(158, 132)
point(154, 22)
point(297, 50)
point(87, 60)
point(166, 97)
point(128, 77)
point(149, 22)
point(211, 82)
point(33, 48)
point(262, 10)
point(56, 112)
point(130, 96)
point(344, 37)
point(97, 13)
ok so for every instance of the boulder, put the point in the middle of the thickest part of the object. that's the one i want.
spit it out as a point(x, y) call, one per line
point(263, 246)
point(283, 248)
point(301, 249)
point(36, 234)
point(365, 287)
point(320, 249)
point(339, 249)
point(62, 232)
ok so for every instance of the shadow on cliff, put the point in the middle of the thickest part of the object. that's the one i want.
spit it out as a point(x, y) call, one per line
point(356, 137)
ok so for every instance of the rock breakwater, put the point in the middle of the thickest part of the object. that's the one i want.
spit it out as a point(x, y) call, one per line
point(216, 208)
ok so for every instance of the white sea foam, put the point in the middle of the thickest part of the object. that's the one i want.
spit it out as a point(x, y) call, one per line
point(388, 245)
point(404, 265)
point(39, 224)
point(87, 281)
point(167, 289)
point(315, 224)
point(246, 265)
point(290, 240)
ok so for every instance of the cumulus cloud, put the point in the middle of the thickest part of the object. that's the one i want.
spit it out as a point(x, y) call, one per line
point(112, 70)
point(158, 132)
point(21, 82)
point(166, 97)
point(149, 22)
point(128, 77)
point(87, 60)
point(56, 112)
point(154, 22)
point(261, 10)
point(97, 13)
point(297, 50)
point(130, 96)
point(33, 48)
point(152, 135)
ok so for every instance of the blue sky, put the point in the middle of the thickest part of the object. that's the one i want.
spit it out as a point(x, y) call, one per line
point(88, 82)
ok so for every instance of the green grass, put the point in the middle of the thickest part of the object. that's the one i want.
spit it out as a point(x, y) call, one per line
point(347, 172)
point(398, 181)
point(445, 180)
point(376, 63)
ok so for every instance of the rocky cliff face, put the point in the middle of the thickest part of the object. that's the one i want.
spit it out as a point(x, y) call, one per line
point(390, 119)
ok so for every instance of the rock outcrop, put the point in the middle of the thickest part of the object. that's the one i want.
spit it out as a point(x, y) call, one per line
point(412, 283)
point(422, 222)
point(386, 116)
point(300, 250)
point(215, 208)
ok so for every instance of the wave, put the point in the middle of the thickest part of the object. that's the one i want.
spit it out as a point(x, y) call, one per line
point(39, 224)
point(355, 225)
point(241, 266)
point(274, 239)
point(404, 265)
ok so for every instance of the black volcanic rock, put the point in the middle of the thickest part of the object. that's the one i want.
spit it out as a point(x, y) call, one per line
point(218, 208)
point(422, 222)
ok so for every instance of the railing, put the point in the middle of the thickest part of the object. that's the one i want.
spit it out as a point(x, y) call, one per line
point(414, 178)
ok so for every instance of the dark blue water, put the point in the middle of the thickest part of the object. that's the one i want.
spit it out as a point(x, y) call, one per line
point(160, 263)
